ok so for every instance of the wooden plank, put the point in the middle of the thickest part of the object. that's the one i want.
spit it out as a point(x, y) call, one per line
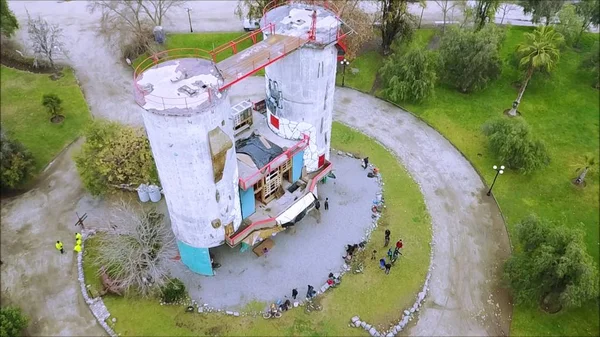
point(267, 243)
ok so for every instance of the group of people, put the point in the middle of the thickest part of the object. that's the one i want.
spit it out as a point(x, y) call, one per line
point(391, 254)
point(60, 247)
point(351, 249)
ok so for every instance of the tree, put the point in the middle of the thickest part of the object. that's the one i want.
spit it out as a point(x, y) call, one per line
point(52, 103)
point(539, 9)
point(505, 8)
point(423, 5)
point(538, 52)
point(16, 162)
point(409, 76)
point(447, 6)
point(8, 21)
point(484, 11)
point(45, 40)
point(136, 251)
point(129, 23)
point(114, 155)
point(552, 266)
point(468, 59)
point(587, 164)
point(395, 20)
point(251, 9)
point(12, 322)
point(569, 24)
point(592, 63)
point(511, 142)
point(589, 11)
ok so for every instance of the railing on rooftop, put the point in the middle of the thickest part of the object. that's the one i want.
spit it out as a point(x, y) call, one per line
point(289, 153)
point(233, 44)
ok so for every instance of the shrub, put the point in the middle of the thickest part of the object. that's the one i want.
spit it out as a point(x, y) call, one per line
point(570, 23)
point(592, 64)
point(510, 140)
point(52, 103)
point(552, 265)
point(469, 59)
point(114, 155)
point(16, 162)
point(173, 291)
point(12, 322)
point(409, 76)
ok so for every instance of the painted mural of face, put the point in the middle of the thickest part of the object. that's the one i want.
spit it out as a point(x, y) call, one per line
point(274, 97)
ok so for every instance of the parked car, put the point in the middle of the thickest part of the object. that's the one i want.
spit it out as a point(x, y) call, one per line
point(251, 24)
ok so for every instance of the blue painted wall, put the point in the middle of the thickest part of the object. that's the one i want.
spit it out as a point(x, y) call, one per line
point(297, 164)
point(248, 202)
point(197, 259)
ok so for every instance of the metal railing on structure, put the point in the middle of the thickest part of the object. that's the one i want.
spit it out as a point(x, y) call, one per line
point(289, 153)
point(233, 44)
point(142, 98)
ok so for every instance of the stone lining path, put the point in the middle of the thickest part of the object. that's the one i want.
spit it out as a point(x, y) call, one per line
point(470, 241)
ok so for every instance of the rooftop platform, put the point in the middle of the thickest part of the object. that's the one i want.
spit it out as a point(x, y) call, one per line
point(177, 84)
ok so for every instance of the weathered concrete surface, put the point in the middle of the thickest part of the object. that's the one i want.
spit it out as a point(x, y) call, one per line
point(35, 276)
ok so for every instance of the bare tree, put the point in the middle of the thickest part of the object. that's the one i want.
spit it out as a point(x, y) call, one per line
point(130, 22)
point(136, 251)
point(505, 8)
point(45, 40)
point(447, 6)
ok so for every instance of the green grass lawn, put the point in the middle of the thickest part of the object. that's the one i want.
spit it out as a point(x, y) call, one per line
point(563, 110)
point(23, 115)
point(374, 296)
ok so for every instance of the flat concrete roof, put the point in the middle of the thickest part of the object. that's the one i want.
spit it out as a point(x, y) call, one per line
point(296, 20)
point(179, 84)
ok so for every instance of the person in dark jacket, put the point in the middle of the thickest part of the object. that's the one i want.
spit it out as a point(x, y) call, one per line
point(294, 293)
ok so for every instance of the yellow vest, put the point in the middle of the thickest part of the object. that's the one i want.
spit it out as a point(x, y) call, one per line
point(77, 248)
point(58, 245)
point(77, 236)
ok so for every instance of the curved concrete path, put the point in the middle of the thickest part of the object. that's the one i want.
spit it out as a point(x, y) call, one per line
point(470, 241)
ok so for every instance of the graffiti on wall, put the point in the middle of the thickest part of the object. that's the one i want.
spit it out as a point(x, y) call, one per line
point(274, 97)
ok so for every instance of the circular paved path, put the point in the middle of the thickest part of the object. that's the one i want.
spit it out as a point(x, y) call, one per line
point(470, 241)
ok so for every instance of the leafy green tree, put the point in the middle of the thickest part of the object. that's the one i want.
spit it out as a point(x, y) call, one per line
point(540, 51)
point(469, 59)
point(396, 22)
point(589, 11)
point(592, 63)
point(8, 21)
point(114, 155)
point(12, 322)
point(409, 76)
point(16, 162)
point(511, 142)
point(484, 11)
point(570, 24)
point(541, 9)
point(552, 265)
point(52, 103)
point(586, 164)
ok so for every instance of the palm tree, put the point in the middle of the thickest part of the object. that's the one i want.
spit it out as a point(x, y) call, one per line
point(539, 51)
point(588, 164)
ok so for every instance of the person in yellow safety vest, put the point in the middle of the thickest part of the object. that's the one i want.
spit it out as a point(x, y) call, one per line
point(77, 236)
point(78, 242)
point(77, 248)
point(59, 247)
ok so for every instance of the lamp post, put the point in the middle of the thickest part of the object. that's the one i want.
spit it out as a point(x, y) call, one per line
point(190, 19)
point(344, 62)
point(498, 171)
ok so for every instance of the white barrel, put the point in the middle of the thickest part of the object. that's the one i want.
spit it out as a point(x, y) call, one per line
point(143, 194)
point(154, 192)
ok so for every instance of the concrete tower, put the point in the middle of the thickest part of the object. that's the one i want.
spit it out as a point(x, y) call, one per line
point(191, 135)
point(300, 87)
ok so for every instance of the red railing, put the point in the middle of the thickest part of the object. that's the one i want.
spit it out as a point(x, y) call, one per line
point(326, 169)
point(289, 153)
point(233, 44)
point(234, 240)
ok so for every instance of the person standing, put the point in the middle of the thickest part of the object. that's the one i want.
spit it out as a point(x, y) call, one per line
point(318, 207)
point(78, 236)
point(77, 248)
point(326, 204)
point(399, 244)
point(311, 292)
point(387, 237)
point(59, 247)
point(294, 293)
point(373, 254)
point(365, 162)
point(390, 254)
point(387, 268)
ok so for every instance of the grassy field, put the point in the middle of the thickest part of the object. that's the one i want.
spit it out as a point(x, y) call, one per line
point(563, 110)
point(23, 115)
point(374, 296)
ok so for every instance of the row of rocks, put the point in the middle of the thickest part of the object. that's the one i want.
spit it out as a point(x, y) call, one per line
point(96, 305)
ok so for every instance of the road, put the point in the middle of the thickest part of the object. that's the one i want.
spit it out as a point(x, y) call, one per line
point(470, 241)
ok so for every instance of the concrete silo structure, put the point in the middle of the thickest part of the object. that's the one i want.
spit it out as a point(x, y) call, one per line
point(301, 86)
point(187, 119)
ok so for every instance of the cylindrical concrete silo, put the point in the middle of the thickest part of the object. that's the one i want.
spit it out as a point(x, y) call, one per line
point(300, 87)
point(191, 136)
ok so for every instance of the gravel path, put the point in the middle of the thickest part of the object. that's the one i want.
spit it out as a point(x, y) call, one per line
point(469, 235)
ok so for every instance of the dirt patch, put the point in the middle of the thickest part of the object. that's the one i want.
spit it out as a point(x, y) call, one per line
point(57, 119)
point(9, 57)
point(581, 185)
point(550, 304)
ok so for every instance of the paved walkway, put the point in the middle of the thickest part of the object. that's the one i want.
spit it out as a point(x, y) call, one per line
point(470, 241)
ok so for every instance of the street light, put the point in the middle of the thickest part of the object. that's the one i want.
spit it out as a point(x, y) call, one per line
point(344, 62)
point(498, 171)
point(190, 19)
